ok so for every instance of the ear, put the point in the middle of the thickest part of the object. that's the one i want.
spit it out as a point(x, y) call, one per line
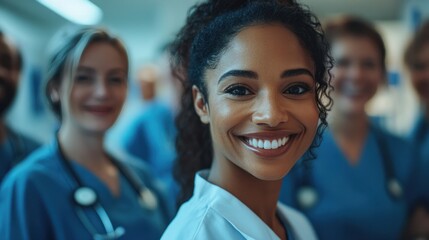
point(200, 105)
point(53, 93)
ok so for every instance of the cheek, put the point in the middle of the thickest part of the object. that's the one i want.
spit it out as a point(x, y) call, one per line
point(312, 119)
point(307, 114)
point(222, 115)
point(419, 78)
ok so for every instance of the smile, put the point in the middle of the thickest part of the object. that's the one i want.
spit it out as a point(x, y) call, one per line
point(267, 146)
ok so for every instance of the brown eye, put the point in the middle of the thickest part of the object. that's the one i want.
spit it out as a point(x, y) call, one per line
point(238, 90)
point(298, 89)
point(83, 78)
point(342, 63)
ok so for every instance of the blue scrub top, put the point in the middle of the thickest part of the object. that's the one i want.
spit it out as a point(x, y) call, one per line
point(419, 137)
point(150, 136)
point(13, 150)
point(36, 202)
point(353, 201)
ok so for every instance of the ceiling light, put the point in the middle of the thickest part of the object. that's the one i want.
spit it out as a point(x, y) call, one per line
point(78, 11)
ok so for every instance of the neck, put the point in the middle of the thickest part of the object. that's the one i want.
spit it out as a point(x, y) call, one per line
point(258, 195)
point(349, 125)
point(82, 147)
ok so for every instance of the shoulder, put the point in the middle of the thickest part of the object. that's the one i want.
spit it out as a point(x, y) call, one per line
point(195, 220)
point(394, 143)
point(298, 223)
point(28, 143)
point(36, 169)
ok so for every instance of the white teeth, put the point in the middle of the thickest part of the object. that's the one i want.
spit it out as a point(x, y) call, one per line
point(260, 144)
point(274, 144)
point(268, 144)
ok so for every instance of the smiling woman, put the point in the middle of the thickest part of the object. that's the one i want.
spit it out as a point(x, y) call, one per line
point(73, 188)
point(253, 99)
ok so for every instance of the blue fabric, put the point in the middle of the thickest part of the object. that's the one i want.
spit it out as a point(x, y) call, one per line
point(36, 202)
point(213, 213)
point(419, 137)
point(13, 150)
point(150, 136)
point(353, 201)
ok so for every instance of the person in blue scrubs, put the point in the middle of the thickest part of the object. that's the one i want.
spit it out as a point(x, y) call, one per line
point(364, 181)
point(150, 133)
point(73, 188)
point(255, 84)
point(14, 146)
point(416, 59)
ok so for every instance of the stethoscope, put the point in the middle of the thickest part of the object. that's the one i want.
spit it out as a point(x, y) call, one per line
point(85, 197)
point(307, 195)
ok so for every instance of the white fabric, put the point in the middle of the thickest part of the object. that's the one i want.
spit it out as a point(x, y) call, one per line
point(213, 213)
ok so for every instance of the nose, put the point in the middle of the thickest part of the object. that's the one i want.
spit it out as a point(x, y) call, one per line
point(270, 111)
point(101, 88)
point(355, 72)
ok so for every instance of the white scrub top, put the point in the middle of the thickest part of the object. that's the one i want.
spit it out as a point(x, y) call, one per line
point(214, 213)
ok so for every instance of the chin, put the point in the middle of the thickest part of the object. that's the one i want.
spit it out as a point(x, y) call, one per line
point(97, 128)
point(272, 174)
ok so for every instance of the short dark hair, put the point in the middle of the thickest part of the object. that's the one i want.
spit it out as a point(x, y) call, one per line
point(420, 39)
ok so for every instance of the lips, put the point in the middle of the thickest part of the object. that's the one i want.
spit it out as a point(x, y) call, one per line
point(268, 144)
point(99, 110)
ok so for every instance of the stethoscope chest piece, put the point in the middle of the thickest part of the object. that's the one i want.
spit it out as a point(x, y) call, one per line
point(307, 197)
point(85, 196)
point(394, 188)
point(148, 199)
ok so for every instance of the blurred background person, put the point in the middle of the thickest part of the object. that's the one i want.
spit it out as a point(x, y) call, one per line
point(416, 59)
point(363, 178)
point(14, 146)
point(74, 188)
point(148, 133)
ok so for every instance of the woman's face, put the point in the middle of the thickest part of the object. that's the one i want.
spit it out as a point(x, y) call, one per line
point(98, 90)
point(420, 74)
point(261, 105)
point(357, 73)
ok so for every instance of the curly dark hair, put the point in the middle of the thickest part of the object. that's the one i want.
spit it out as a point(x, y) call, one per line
point(210, 27)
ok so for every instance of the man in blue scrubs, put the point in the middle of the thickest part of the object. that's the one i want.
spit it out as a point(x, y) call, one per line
point(14, 146)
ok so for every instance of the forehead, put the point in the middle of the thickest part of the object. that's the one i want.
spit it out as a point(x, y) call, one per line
point(355, 46)
point(104, 54)
point(271, 46)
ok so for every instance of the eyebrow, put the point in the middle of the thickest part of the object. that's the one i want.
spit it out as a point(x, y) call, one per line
point(86, 69)
point(254, 75)
point(297, 72)
point(91, 70)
